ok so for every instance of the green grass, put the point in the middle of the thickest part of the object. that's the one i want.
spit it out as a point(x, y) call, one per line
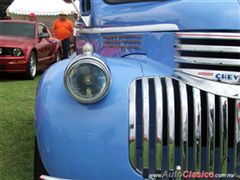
point(17, 98)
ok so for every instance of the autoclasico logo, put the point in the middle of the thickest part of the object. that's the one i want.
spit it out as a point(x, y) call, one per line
point(188, 174)
point(192, 174)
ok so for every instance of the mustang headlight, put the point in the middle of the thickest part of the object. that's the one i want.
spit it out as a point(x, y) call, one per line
point(87, 79)
point(17, 52)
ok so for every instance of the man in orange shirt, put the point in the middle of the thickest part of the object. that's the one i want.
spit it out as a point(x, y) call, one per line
point(62, 30)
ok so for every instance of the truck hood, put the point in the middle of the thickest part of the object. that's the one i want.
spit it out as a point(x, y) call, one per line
point(14, 41)
point(187, 15)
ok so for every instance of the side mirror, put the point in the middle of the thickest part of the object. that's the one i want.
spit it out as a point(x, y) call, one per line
point(69, 1)
point(44, 35)
point(74, 5)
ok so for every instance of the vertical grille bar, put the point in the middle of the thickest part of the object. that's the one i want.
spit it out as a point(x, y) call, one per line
point(171, 124)
point(197, 129)
point(210, 132)
point(145, 88)
point(223, 134)
point(159, 123)
point(237, 139)
point(132, 117)
point(184, 125)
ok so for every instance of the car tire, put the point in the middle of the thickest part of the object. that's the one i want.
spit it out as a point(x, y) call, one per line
point(39, 168)
point(31, 66)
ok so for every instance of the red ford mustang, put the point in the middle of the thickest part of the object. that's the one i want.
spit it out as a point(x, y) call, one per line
point(26, 47)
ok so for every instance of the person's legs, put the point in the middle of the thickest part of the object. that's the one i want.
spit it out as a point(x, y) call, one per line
point(74, 41)
point(66, 47)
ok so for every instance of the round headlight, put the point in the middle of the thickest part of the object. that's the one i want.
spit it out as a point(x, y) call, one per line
point(17, 52)
point(87, 79)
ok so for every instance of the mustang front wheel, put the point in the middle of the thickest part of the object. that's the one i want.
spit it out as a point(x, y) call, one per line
point(31, 66)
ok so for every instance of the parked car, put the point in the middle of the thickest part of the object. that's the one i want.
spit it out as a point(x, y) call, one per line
point(26, 47)
point(153, 92)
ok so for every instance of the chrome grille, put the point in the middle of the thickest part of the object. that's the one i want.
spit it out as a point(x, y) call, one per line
point(208, 48)
point(174, 123)
point(6, 51)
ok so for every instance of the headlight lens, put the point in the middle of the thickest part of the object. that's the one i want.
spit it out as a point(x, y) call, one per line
point(17, 52)
point(87, 79)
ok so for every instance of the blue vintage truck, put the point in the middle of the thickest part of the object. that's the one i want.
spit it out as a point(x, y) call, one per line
point(153, 92)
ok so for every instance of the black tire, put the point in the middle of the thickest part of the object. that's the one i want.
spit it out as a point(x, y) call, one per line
point(39, 168)
point(31, 66)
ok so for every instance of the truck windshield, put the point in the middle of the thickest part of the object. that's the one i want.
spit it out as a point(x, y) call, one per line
point(126, 1)
point(17, 29)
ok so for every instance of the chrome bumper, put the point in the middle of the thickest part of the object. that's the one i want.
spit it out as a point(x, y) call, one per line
point(43, 177)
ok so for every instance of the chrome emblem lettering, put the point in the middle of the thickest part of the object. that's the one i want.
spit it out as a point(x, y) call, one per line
point(230, 78)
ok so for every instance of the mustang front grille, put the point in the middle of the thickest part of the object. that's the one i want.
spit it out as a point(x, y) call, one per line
point(173, 123)
point(6, 51)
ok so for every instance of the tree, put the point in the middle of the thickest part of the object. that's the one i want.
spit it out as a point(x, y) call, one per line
point(3, 7)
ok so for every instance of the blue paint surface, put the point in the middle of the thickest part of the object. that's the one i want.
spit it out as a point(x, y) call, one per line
point(79, 141)
point(188, 15)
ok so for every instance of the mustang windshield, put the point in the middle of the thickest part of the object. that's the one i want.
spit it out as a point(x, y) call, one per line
point(125, 1)
point(17, 29)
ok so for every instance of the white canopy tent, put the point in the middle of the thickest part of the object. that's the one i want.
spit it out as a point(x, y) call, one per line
point(46, 10)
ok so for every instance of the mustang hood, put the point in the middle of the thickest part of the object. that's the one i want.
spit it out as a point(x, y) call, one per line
point(187, 15)
point(13, 41)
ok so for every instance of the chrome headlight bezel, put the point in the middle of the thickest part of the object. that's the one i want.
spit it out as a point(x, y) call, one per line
point(93, 61)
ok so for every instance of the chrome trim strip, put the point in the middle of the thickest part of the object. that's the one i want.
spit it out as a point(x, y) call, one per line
point(237, 139)
point(132, 125)
point(184, 125)
point(128, 29)
point(207, 48)
point(208, 35)
point(159, 122)
point(229, 77)
point(171, 123)
point(223, 134)
point(210, 132)
point(44, 177)
point(197, 129)
point(146, 125)
point(87, 20)
point(207, 61)
point(221, 89)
